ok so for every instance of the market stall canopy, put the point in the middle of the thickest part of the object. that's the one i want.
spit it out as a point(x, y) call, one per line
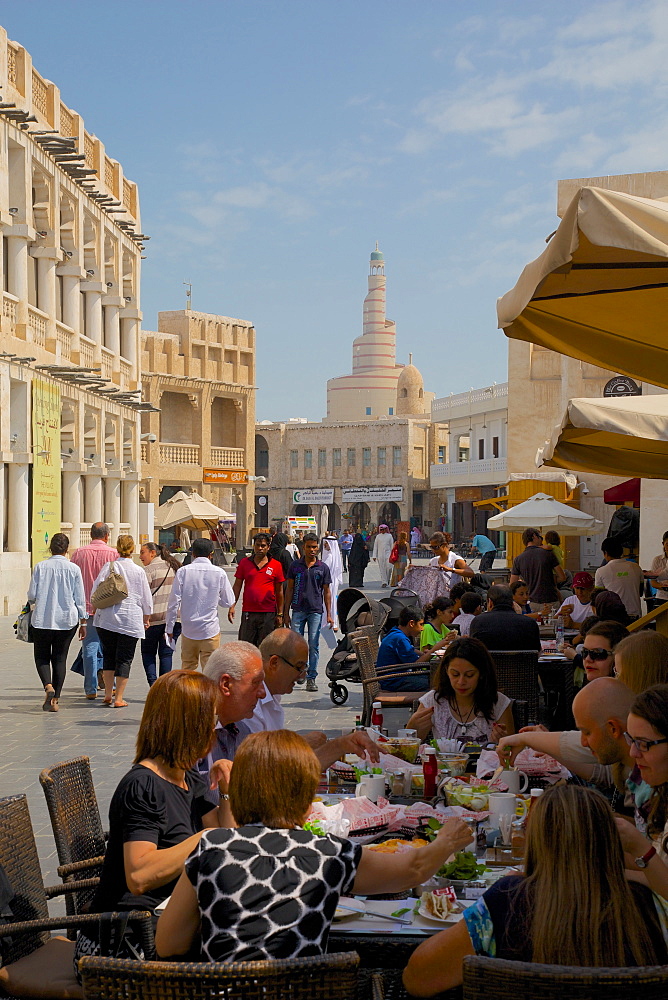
point(191, 511)
point(544, 512)
point(626, 492)
point(614, 437)
point(599, 291)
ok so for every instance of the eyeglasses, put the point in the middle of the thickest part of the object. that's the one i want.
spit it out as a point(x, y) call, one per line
point(300, 670)
point(642, 746)
point(596, 654)
point(434, 546)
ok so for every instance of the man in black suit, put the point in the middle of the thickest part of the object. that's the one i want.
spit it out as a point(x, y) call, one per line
point(501, 627)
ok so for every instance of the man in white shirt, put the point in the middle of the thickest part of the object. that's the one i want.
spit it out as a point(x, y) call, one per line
point(198, 591)
point(285, 659)
point(622, 577)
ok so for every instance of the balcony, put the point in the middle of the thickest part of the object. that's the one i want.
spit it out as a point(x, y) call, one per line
point(127, 381)
point(64, 340)
point(37, 326)
point(9, 314)
point(475, 401)
point(485, 472)
point(228, 458)
point(107, 362)
point(86, 352)
point(179, 454)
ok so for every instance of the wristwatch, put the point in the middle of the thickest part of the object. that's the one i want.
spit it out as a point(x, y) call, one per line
point(646, 858)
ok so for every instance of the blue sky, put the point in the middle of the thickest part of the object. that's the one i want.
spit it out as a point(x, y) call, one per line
point(274, 142)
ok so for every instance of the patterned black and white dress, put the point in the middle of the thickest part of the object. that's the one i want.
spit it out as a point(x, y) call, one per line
point(266, 893)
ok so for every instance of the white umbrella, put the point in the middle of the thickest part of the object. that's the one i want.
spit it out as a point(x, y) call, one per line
point(192, 511)
point(543, 511)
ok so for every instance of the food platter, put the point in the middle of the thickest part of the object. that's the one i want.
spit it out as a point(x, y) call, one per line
point(452, 918)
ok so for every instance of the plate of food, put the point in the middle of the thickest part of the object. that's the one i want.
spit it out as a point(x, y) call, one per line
point(440, 905)
point(343, 914)
point(397, 845)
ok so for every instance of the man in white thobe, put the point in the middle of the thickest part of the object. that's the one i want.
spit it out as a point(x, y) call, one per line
point(382, 548)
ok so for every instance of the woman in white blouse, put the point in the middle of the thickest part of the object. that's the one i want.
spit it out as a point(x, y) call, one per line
point(57, 592)
point(123, 624)
point(658, 573)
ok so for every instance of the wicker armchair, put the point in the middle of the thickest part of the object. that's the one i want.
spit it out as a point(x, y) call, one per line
point(77, 828)
point(372, 677)
point(327, 977)
point(517, 676)
point(30, 928)
point(486, 978)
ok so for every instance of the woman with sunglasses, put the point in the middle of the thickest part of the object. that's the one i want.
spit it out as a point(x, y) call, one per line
point(646, 843)
point(447, 560)
point(598, 656)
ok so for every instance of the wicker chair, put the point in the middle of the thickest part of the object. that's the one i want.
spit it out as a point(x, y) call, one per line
point(486, 978)
point(31, 924)
point(77, 828)
point(327, 977)
point(372, 677)
point(517, 676)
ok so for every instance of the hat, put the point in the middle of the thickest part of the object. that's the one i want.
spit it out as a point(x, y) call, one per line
point(383, 526)
point(583, 580)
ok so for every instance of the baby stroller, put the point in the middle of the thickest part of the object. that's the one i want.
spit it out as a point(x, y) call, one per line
point(355, 609)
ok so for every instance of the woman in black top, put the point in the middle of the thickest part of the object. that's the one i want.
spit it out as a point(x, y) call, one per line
point(159, 809)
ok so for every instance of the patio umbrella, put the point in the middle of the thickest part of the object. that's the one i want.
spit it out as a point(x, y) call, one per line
point(613, 437)
point(543, 511)
point(190, 511)
point(599, 291)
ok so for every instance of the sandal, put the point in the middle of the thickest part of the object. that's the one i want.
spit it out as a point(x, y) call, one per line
point(120, 704)
point(46, 707)
point(53, 707)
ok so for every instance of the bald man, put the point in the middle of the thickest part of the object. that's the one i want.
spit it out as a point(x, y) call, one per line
point(600, 712)
point(285, 659)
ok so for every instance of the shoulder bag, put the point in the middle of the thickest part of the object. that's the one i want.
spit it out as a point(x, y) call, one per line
point(110, 591)
point(394, 554)
point(23, 625)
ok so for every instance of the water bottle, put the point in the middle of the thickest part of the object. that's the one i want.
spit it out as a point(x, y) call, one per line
point(559, 634)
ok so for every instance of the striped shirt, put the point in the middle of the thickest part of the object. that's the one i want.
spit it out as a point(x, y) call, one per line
point(90, 559)
point(160, 579)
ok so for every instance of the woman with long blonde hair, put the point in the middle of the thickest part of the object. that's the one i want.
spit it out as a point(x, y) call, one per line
point(572, 906)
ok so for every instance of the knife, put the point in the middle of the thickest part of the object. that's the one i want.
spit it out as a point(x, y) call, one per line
point(374, 913)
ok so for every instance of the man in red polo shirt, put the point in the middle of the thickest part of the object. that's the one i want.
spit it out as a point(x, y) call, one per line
point(262, 579)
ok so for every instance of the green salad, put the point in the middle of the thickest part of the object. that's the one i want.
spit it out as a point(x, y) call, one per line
point(465, 867)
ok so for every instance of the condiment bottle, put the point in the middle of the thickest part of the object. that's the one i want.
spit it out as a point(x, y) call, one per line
point(358, 722)
point(377, 716)
point(534, 795)
point(430, 771)
point(398, 783)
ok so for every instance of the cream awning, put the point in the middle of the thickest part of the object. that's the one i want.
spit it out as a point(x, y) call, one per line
point(599, 291)
point(190, 511)
point(625, 437)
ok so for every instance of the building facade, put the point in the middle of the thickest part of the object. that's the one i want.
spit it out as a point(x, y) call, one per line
point(472, 465)
point(198, 370)
point(71, 248)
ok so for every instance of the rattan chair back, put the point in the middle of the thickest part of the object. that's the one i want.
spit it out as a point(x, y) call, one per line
point(20, 861)
point(368, 631)
point(517, 677)
point(75, 819)
point(326, 977)
point(485, 978)
point(366, 657)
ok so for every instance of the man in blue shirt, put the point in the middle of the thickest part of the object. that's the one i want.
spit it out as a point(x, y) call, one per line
point(307, 592)
point(345, 544)
point(397, 647)
point(487, 549)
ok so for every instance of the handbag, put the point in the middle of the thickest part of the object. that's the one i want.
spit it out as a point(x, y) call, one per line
point(111, 590)
point(394, 554)
point(23, 625)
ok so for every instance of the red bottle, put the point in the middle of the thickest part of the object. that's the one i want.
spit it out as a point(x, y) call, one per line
point(430, 771)
point(377, 716)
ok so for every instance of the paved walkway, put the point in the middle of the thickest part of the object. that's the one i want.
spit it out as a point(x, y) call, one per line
point(33, 739)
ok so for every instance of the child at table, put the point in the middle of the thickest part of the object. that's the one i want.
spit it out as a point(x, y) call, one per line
point(437, 617)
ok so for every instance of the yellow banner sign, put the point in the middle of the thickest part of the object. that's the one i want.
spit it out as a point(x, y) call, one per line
point(46, 491)
point(223, 477)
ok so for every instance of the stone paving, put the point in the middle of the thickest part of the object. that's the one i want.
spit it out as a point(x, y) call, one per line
point(32, 739)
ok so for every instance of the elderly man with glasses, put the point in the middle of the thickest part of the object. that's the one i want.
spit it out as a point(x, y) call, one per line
point(285, 660)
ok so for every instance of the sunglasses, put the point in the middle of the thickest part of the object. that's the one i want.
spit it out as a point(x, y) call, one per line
point(300, 670)
point(434, 546)
point(642, 746)
point(596, 654)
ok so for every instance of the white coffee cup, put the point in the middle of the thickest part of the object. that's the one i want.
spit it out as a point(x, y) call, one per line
point(503, 804)
point(371, 785)
point(517, 781)
point(406, 732)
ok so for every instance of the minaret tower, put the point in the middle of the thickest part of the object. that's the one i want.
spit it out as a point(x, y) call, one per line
point(370, 391)
point(376, 348)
